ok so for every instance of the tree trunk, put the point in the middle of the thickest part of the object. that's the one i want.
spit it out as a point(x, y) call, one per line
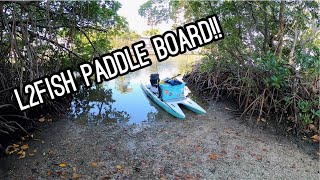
point(265, 33)
point(281, 30)
point(291, 55)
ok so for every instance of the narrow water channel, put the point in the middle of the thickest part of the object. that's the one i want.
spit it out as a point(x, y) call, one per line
point(122, 100)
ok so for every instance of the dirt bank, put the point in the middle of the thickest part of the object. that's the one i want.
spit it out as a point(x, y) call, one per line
point(212, 146)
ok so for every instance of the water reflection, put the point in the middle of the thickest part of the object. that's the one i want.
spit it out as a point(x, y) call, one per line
point(122, 100)
point(123, 84)
point(94, 106)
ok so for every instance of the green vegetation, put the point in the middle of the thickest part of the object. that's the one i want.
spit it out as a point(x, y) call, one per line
point(39, 38)
point(151, 32)
point(155, 12)
point(124, 38)
point(268, 61)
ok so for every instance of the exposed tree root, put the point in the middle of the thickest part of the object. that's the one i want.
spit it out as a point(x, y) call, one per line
point(247, 87)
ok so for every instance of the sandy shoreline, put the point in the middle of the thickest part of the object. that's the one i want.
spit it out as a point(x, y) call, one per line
point(212, 146)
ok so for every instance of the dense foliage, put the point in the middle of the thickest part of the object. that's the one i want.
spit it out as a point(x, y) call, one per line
point(38, 38)
point(269, 60)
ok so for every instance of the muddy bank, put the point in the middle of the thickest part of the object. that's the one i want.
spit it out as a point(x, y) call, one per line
point(15, 123)
point(212, 146)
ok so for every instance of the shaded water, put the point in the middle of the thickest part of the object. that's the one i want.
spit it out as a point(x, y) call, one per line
point(122, 100)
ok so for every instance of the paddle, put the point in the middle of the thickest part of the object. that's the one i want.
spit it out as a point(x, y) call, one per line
point(172, 81)
point(175, 76)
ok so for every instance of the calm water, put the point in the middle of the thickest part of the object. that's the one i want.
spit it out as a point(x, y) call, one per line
point(122, 100)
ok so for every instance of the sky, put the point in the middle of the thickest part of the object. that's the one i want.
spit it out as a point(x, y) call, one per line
point(137, 23)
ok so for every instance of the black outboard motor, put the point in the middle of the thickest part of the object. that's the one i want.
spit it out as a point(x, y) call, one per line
point(154, 80)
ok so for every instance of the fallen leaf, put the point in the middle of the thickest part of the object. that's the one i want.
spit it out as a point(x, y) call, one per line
point(237, 156)
point(76, 176)
point(15, 145)
point(258, 157)
point(315, 138)
point(94, 164)
point(119, 167)
point(62, 165)
point(223, 151)
point(23, 155)
point(24, 147)
point(189, 177)
point(41, 119)
point(221, 155)
point(61, 173)
point(252, 154)
point(304, 138)
point(11, 149)
point(213, 156)
point(31, 154)
point(49, 173)
point(127, 172)
point(20, 152)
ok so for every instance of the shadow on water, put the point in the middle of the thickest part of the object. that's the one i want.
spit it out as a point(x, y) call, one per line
point(122, 100)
